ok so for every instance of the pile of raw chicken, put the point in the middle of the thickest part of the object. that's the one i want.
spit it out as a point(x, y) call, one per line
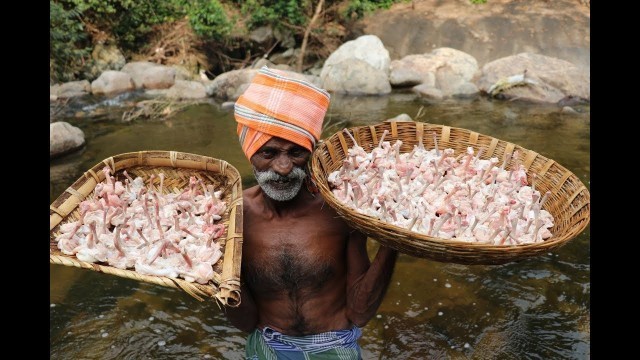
point(132, 226)
point(432, 192)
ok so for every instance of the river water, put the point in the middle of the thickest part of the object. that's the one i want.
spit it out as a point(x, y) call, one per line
point(538, 308)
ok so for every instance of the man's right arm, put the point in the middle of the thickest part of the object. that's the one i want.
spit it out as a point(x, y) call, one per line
point(245, 316)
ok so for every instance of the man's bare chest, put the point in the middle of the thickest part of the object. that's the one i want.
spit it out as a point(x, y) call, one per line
point(291, 259)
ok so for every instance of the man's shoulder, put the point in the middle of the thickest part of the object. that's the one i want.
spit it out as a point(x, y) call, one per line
point(250, 195)
point(251, 190)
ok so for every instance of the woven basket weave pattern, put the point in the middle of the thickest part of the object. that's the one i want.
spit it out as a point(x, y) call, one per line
point(177, 168)
point(569, 202)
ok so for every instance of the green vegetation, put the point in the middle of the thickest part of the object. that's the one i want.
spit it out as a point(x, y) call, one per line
point(358, 8)
point(266, 12)
point(68, 47)
point(478, 1)
point(129, 21)
point(139, 28)
point(208, 18)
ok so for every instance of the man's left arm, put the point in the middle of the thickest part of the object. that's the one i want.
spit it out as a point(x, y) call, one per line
point(367, 282)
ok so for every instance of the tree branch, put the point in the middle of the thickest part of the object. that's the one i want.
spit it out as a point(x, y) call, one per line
point(305, 39)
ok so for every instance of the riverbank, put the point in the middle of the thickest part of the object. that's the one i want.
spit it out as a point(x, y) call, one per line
point(440, 50)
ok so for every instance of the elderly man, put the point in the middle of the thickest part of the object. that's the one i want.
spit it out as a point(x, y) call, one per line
point(308, 286)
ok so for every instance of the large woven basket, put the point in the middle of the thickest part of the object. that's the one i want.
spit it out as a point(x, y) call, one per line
point(177, 167)
point(569, 202)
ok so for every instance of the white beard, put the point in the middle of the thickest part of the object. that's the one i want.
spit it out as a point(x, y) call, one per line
point(280, 188)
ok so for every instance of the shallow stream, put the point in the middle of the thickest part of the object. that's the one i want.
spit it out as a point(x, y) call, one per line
point(538, 308)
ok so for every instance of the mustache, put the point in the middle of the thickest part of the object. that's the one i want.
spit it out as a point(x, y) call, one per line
point(270, 175)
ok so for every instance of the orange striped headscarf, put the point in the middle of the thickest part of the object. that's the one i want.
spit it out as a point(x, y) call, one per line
point(277, 105)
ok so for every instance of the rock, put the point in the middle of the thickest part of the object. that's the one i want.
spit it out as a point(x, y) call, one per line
point(183, 74)
point(356, 77)
point(136, 69)
point(159, 77)
point(446, 69)
point(262, 62)
point(313, 79)
point(547, 79)
point(400, 118)
point(228, 105)
point(71, 89)
point(572, 101)
point(240, 90)
point(156, 92)
point(261, 35)
point(285, 37)
point(367, 48)
point(229, 85)
point(569, 110)
point(148, 75)
point(315, 69)
point(403, 73)
point(466, 90)
point(271, 65)
point(112, 82)
point(428, 92)
point(287, 57)
point(187, 90)
point(64, 138)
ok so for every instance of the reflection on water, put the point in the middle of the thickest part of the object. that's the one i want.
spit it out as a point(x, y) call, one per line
point(535, 309)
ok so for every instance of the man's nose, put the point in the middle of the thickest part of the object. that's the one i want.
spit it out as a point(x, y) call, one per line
point(282, 165)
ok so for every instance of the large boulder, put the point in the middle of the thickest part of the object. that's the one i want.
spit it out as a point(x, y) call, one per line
point(356, 77)
point(367, 48)
point(536, 78)
point(365, 58)
point(148, 75)
point(448, 70)
point(64, 138)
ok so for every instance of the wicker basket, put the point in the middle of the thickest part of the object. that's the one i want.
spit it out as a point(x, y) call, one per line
point(177, 167)
point(569, 202)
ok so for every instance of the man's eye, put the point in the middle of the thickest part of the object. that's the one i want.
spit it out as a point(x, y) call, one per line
point(268, 154)
point(297, 153)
